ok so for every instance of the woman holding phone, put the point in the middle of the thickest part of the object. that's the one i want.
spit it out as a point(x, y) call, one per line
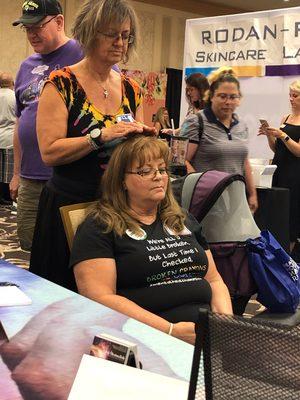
point(285, 143)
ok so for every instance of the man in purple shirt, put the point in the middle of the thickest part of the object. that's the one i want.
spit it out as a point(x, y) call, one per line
point(43, 22)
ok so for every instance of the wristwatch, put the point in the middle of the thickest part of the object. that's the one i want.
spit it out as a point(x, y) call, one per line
point(95, 135)
point(284, 137)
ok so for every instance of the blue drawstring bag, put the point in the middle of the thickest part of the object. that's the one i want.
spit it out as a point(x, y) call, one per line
point(275, 273)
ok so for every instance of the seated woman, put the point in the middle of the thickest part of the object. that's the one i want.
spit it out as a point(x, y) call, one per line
point(139, 253)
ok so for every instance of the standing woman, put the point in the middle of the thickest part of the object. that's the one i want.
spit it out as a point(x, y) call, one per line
point(77, 125)
point(196, 86)
point(161, 120)
point(222, 144)
point(285, 143)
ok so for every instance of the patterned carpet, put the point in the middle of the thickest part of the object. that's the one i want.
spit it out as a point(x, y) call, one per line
point(9, 244)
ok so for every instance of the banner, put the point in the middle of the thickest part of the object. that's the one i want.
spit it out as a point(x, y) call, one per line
point(264, 50)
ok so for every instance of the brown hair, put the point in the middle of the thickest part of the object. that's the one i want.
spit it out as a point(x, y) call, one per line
point(200, 82)
point(99, 14)
point(113, 210)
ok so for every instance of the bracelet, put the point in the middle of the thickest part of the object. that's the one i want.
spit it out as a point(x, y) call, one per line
point(91, 142)
point(171, 329)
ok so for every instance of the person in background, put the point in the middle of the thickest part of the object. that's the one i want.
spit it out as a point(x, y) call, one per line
point(85, 111)
point(285, 143)
point(7, 124)
point(196, 86)
point(161, 120)
point(43, 23)
point(139, 253)
point(223, 144)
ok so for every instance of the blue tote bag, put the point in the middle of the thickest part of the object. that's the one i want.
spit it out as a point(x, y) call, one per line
point(275, 273)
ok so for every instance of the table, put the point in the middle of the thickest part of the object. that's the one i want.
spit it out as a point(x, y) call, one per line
point(49, 337)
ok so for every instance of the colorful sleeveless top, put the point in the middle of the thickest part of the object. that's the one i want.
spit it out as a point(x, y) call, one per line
point(83, 118)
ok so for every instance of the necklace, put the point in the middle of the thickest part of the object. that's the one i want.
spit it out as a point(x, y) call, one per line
point(105, 91)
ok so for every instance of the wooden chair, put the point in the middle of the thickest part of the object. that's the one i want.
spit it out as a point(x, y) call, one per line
point(72, 216)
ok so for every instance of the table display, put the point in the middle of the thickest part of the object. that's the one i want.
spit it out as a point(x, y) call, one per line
point(48, 338)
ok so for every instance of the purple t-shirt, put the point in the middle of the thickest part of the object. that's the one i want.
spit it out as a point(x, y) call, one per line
point(33, 73)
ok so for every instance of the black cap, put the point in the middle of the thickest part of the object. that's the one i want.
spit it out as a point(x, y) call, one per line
point(33, 11)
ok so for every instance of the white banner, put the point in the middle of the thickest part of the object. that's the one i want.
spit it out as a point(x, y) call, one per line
point(248, 41)
point(263, 48)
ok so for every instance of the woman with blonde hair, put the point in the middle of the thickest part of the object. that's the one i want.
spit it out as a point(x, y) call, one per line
point(85, 111)
point(221, 143)
point(139, 253)
point(161, 120)
point(285, 143)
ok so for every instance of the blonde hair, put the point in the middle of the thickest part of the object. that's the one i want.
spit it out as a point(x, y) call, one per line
point(295, 86)
point(219, 76)
point(113, 210)
point(96, 15)
point(159, 117)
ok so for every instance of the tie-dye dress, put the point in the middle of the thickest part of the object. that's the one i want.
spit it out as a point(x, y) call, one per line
point(77, 181)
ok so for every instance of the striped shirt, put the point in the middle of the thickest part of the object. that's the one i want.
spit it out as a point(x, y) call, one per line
point(219, 148)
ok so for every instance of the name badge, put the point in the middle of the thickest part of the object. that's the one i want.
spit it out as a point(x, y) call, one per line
point(125, 118)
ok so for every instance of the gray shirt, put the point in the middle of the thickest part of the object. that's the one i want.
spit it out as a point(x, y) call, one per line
point(7, 117)
point(219, 148)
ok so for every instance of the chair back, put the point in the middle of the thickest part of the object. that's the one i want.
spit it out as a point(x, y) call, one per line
point(245, 359)
point(72, 216)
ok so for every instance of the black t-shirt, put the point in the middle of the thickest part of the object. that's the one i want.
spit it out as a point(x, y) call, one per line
point(160, 259)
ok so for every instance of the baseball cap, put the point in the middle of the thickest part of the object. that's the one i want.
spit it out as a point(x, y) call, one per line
point(33, 11)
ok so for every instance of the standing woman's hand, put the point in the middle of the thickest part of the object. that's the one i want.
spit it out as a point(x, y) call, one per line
point(253, 203)
point(274, 132)
point(120, 130)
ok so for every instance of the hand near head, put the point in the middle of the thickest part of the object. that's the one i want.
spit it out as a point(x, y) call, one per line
point(123, 129)
point(148, 130)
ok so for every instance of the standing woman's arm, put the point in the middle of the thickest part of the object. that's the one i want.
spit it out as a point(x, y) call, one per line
point(52, 119)
point(251, 190)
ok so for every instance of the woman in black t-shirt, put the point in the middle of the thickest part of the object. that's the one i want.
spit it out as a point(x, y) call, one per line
point(139, 253)
point(285, 143)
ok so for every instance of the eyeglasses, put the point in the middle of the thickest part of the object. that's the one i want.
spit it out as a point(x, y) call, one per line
point(224, 96)
point(113, 37)
point(36, 28)
point(150, 173)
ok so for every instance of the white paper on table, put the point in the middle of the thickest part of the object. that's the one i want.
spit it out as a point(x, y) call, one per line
point(13, 296)
point(102, 379)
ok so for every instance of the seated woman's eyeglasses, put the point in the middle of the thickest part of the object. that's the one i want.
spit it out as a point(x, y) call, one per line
point(36, 28)
point(224, 96)
point(113, 37)
point(149, 173)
